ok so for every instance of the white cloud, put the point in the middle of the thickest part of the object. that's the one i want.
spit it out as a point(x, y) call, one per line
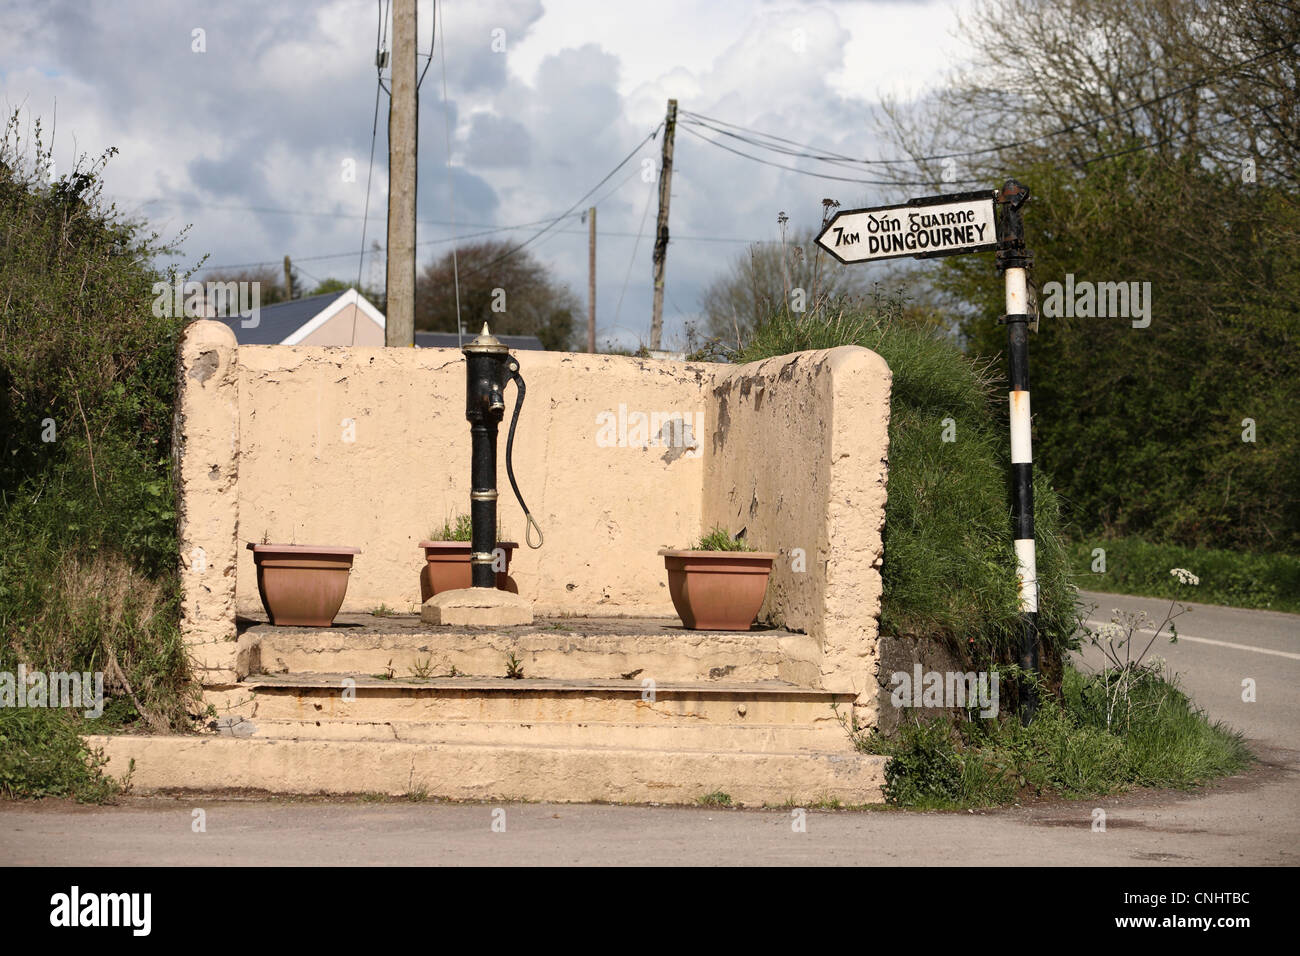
point(266, 116)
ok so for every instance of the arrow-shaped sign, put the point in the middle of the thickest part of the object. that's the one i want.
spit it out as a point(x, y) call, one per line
point(922, 228)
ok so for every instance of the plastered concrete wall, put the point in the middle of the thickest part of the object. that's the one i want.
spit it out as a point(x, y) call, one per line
point(370, 447)
point(206, 450)
point(617, 458)
point(797, 454)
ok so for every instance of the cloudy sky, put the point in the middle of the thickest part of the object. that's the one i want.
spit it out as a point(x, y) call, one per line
point(252, 139)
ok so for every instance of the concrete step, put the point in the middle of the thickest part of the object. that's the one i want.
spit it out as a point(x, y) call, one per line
point(738, 738)
point(461, 771)
point(556, 648)
point(530, 700)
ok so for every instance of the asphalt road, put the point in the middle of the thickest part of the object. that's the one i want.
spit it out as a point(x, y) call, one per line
point(1252, 819)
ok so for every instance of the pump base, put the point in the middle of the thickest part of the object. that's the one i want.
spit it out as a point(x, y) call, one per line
point(477, 607)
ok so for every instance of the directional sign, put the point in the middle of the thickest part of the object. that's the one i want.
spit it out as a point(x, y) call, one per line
point(922, 228)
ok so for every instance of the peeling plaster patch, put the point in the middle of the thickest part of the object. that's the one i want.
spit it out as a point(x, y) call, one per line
point(724, 422)
point(689, 442)
point(214, 473)
point(205, 366)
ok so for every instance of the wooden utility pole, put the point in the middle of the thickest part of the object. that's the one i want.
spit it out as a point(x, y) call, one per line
point(403, 135)
point(661, 232)
point(591, 279)
point(288, 279)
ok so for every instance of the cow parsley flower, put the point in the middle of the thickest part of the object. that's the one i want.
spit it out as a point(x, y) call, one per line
point(1108, 632)
point(1184, 576)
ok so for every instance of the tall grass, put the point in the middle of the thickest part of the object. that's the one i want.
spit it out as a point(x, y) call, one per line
point(1067, 751)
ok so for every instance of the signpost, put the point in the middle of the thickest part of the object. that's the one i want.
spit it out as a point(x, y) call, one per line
point(922, 228)
point(951, 225)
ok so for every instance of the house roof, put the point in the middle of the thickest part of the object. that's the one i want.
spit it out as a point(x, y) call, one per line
point(277, 322)
point(448, 340)
point(287, 323)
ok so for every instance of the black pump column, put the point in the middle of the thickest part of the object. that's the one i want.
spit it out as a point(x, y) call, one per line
point(487, 362)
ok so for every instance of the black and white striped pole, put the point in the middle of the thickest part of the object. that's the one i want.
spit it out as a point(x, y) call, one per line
point(1013, 262)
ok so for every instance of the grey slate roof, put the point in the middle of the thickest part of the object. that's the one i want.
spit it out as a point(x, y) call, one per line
point(277, 322)
point(447, 340)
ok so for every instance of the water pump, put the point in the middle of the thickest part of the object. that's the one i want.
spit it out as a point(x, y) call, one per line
point(489, 368)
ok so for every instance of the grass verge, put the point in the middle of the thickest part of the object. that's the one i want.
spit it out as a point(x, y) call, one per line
point(1133, 566)
point(1069, 750)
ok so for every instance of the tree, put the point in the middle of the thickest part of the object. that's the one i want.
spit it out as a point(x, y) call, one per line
point(328, 285)
point(510, 291)
point(768, 277)
point(270, 281)
point(1159, 140)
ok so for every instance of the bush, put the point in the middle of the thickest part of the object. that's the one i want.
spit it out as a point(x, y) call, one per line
point(1134, 566)
point(42, 755)
point(949, 568)
point(87, 502)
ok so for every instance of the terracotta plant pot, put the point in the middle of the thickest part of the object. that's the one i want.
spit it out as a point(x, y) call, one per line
point(447, 567)
point(302, 585)
point(718, 590)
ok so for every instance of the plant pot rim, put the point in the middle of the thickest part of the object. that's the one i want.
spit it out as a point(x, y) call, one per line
point(464, 544)
point(732, 555)
point(300, 549)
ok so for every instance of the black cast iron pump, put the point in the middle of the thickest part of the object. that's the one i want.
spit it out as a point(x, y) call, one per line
point(489, 367)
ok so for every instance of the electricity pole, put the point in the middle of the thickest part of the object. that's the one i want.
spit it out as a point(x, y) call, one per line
point(661, 232)
point(591, 279)
point(403, 134)
point(288, 279)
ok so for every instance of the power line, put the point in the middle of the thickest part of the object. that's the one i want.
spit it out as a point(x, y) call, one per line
point(281, 211)
point(824, 155)
point(632, 261)
point(828, 156)
point(613, 234)
point(451, 193)
point(426, 242)
point(581, 199)
point(320, 214)
point(621, 183)
point(808, 172)
point(382, 8)
point(1123, 152)
point(433, 45)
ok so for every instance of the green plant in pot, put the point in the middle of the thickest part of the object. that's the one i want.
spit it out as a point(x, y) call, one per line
point(446, 559)
point(719, 584)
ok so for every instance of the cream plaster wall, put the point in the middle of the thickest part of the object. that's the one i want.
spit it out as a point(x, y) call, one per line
point(370, 447)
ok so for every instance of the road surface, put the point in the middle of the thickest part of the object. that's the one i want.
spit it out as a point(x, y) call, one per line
point(1253, 819)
